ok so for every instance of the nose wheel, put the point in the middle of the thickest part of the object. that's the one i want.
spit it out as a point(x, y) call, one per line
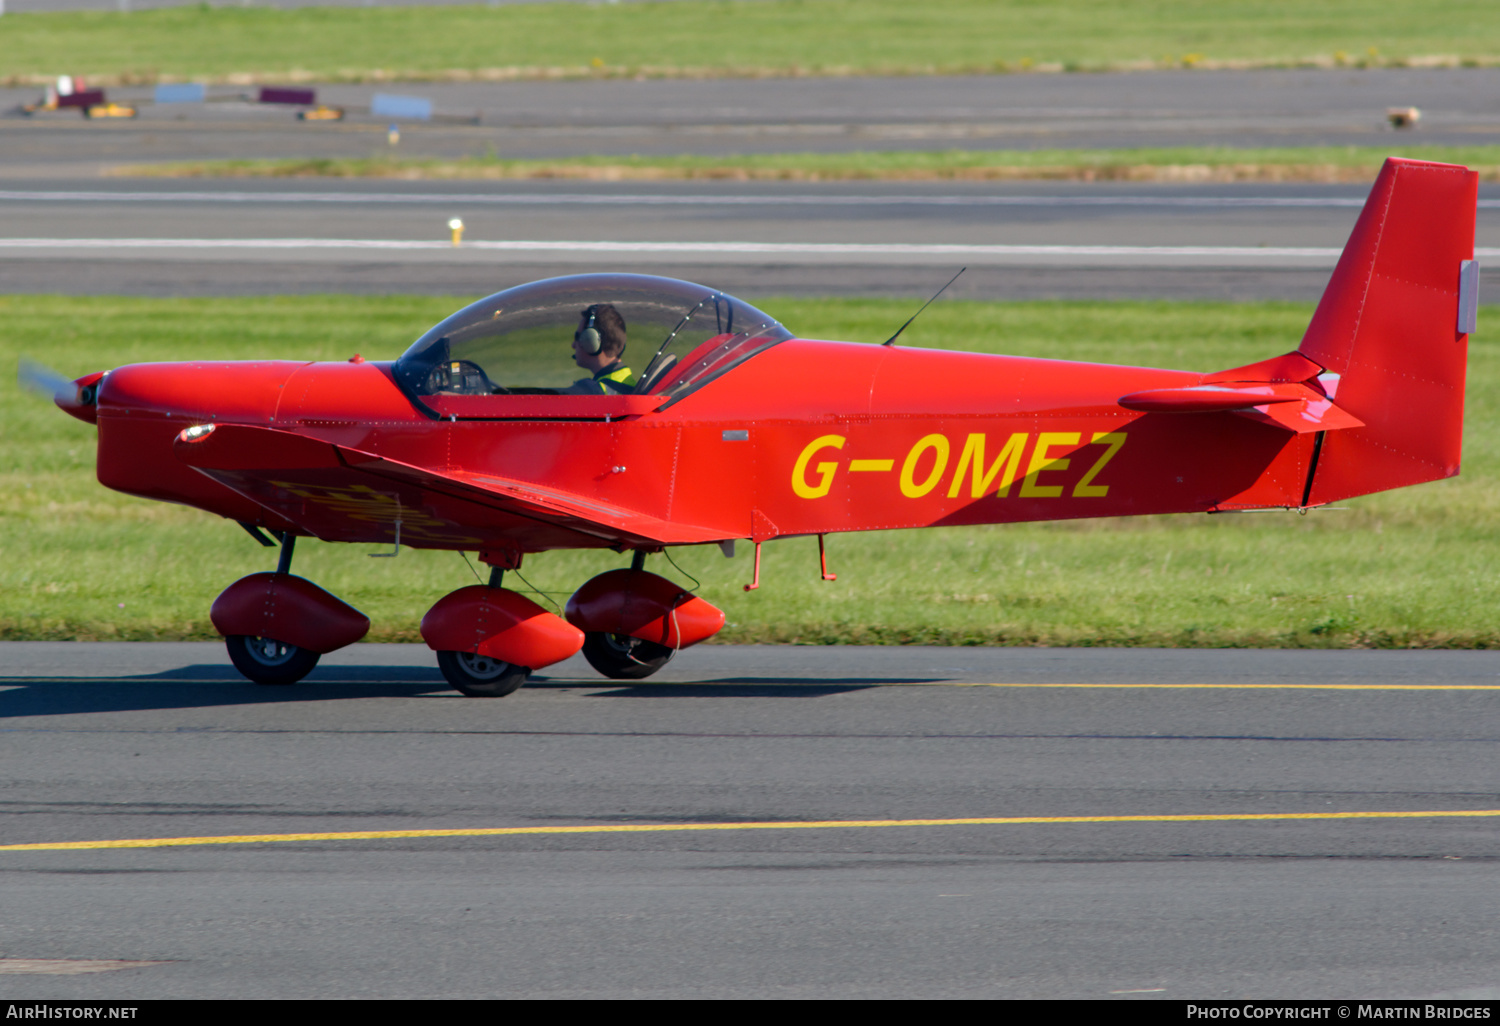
point(622, 657)
point(481, 676)
point(267, 661)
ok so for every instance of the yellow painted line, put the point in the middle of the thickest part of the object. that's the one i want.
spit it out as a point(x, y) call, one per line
point(811, 682)
point(664, 828)
point(1229, 687)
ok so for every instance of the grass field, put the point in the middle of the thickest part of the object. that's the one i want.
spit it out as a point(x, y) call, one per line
point(1179, 164)
point(1418, 567)
point(729, 38)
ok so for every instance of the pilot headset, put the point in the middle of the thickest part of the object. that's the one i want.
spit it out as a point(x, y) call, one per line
point(588, 335)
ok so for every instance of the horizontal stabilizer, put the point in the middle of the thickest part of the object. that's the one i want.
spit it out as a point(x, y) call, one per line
point(1299, 406)
point(1210, 398)
point(1305, 417)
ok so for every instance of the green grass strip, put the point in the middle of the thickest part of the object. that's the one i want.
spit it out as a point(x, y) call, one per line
point(730, 38)
point(1174, 164)
point(1418, 567)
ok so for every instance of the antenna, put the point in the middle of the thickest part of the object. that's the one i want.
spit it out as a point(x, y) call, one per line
point(925, 305)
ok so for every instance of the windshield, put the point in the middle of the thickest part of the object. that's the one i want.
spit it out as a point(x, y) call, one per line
point(676, 336)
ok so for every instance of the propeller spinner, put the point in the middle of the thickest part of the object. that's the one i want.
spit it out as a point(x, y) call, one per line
point(75, 396)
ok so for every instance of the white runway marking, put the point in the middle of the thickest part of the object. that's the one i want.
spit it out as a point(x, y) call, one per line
point(784, 252)
point(563, 246)
point(646, 199)
point(67, 966)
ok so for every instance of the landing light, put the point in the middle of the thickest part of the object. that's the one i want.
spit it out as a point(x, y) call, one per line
point(196, 433)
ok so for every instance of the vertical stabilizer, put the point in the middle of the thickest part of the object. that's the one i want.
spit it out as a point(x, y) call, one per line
point(1393, 326)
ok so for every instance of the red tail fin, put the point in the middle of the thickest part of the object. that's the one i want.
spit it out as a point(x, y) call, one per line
point(1389, 325)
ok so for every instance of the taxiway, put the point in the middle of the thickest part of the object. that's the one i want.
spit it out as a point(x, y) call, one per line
point(105, 743)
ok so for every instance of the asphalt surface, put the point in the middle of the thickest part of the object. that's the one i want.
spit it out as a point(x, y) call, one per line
point(1021, 240)
point(108, 742)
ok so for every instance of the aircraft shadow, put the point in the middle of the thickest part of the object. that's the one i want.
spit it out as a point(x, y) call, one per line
point(213, 685)
point(209, 686)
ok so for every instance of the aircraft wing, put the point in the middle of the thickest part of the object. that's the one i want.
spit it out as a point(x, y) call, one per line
point(343, 494)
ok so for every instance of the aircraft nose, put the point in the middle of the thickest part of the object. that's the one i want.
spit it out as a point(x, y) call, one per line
point(83, 403)
point(246, 390)
point(142, 408)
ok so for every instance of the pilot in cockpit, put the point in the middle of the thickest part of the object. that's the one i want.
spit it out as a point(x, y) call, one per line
point(598, 347)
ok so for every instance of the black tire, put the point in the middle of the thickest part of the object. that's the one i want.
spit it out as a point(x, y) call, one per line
point(624, 658)
point(480, 676)
point(266, 661)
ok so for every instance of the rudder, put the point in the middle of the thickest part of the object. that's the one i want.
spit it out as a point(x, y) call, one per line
point(1389, 324)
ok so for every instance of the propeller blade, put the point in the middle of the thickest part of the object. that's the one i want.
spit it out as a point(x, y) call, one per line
point(34, 377)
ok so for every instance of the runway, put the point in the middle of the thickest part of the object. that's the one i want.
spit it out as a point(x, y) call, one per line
point(1131, 823)
point(1031, 240)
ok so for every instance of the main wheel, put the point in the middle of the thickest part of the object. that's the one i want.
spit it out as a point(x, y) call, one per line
point(267, 661)
point(624, 658)
point(480, 676)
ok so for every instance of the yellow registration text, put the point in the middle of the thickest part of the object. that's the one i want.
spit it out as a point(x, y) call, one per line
point(1030, 465)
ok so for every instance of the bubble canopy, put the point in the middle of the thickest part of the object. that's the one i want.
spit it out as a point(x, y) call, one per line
point(679, 336)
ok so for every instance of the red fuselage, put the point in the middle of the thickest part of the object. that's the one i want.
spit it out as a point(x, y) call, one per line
point(807, 437)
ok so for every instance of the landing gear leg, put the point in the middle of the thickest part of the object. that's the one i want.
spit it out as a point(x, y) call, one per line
point(288, 544)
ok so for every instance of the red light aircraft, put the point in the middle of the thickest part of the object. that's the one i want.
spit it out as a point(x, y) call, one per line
point(736, 429)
